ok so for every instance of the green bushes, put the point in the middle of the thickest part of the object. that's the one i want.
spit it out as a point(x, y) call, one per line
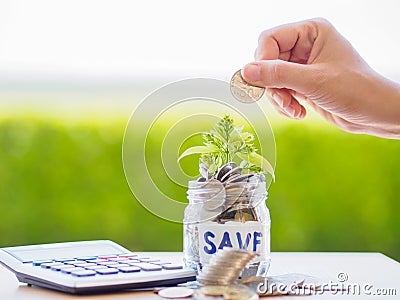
point(64, 181)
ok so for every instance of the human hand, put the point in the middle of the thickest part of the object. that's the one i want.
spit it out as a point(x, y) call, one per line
point(310, 62)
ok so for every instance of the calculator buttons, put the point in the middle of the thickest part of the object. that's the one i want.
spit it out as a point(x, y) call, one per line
point(61, 267)
point(107, 256)
point(142, 257)
point(83, 273)
point(96, 261)
point(39, 262)
point(95, 267)
point(128, 255)
point(120, 266)
point(86, 258)
point(86, 266)
point(133, 261)
point(63, 260)
point(172, 267)
point(72, 269)
point(108, 263)
point(78, 263)
point(149, 260)
point(107, 271)
point(49, 265)
point(72, 262)
point(161, 263)
point(130, 269)
point(148, 267)
point(119, 259)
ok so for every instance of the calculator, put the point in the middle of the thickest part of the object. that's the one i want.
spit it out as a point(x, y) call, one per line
point(92, 267)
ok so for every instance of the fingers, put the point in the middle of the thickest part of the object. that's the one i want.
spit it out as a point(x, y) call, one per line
point(286, 104)
point(283, 98)
point(281, 74)
point(291, 42)
point(279, 109)
point(338, 121)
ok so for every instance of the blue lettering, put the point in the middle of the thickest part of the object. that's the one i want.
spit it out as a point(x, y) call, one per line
point(240, 242)
point(212, 248)
point(226, 241)
point(257, 241)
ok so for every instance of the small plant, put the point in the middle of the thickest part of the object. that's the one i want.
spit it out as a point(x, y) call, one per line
point(224, 144)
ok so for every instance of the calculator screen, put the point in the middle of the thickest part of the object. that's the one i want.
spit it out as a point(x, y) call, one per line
point(41, 252)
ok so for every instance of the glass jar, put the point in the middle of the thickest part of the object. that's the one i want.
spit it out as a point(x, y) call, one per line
point(227, 214)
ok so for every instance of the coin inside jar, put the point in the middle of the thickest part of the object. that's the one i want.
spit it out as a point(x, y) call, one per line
point(243, 91)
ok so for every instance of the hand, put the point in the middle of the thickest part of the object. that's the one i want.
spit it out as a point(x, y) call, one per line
point(310, 62)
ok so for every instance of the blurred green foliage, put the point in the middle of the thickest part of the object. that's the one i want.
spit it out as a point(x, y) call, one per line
point(64, 181)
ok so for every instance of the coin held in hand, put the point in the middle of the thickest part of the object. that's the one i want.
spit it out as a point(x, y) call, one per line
point(243, 91)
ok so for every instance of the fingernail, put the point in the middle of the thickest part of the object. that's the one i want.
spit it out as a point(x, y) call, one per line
point(251, 72)
point(278, 99)
point(290, 110)
point(298, 116)
point(303, 115)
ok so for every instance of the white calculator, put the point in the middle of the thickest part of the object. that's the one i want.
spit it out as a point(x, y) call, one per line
point(92, 267)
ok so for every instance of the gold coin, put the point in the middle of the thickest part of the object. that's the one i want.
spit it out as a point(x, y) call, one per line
point(214, 290)
point(243, 217)
point(243, 91)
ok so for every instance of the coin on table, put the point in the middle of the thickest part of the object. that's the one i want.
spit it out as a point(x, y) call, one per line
point(243, 91)
point(214, 290)
point(175, 292)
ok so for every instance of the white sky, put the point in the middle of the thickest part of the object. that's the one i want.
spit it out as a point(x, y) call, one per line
point(104, 39)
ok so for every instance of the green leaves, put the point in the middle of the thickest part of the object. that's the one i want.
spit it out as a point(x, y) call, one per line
point(259, 161)
point(225, 143)
point(198, 150)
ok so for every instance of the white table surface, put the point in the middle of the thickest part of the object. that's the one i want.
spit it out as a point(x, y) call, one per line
point(372, 271)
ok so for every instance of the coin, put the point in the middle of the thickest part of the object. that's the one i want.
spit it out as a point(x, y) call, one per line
point(206, 215)
point(215, 194)
point(214, 290)
point(242, 178)
point(243, 217)
point(215, 202)
point(243, 91)
point(228, 180)
point(225, 169)
point(232, 172)
point(175, 292)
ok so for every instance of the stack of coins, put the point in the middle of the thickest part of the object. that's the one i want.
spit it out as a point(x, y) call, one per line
point(225, 267)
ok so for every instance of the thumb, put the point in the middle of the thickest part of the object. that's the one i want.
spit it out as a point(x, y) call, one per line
point(280, 74)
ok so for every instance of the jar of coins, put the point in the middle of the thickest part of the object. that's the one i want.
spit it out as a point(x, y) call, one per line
point(227, 210)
